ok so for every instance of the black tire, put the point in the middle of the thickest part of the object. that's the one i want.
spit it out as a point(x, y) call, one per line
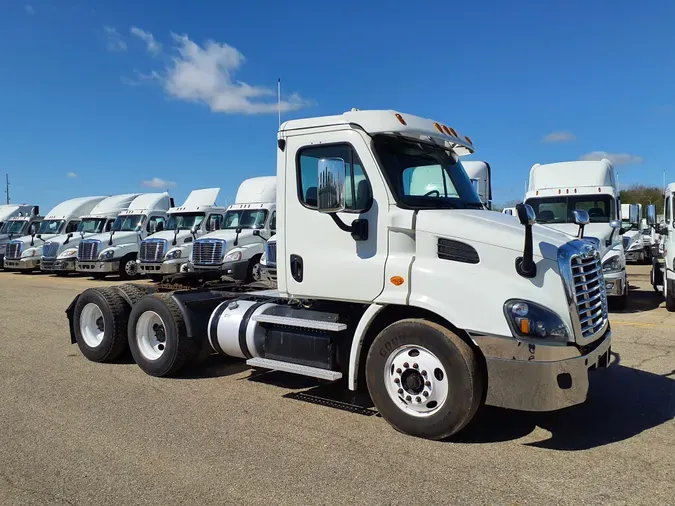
point(61, 274)
point(178, 350)
point(253, 268)
point(656, 275)
point(115, 315)
point(99, 276)
point(670, 296)
point(463, 375)
point(620, 303)
point(135, 293)
point(133, 272)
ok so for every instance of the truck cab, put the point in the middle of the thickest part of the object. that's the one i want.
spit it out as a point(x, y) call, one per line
point(633, 238)
point(16, 221)
point(167, 251)
point(24, 254)
point(236, 247)
point(556, 190)
point(479, 173)
point(663, 266)
point(59, 254)
point(116, 252)
point(268, 261)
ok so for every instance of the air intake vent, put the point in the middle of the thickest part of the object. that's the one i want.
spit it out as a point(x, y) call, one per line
point(457, 252)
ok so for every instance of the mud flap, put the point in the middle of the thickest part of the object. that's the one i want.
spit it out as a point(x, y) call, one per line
point(70, 311)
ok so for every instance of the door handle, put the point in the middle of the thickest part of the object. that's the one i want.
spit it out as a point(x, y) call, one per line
point(296, 268)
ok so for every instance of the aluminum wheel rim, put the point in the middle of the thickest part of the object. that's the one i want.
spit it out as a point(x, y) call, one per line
point(416, 380)
point(151, 335)
point(255, 272)
point(131, 268)
point(92, 325)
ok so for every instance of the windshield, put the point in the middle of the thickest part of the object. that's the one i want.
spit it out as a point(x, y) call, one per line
point(50, 227)
point(425, 176)
point(15, 227)
point(245, 218)
point(600, 208)
point(91, 225)
point(128, 223)
point(184, 221)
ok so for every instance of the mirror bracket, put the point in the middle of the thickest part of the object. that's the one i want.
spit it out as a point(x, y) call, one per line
point(358, 229)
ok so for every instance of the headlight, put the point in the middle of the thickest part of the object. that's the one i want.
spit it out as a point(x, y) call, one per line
point(28, 253)
point(232, 256)
point(106, 255)
point(611, 264)
point(68, 253)
point(634, 245)
point(173, 254)
point(530, 320)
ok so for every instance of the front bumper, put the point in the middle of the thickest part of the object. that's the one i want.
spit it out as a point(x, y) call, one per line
point(99, 267)
point(268, 273)
point(615, 283)
point(237, 270)
point(58, 265)
point(23, 264)
point(160, 268)
point(532, 377)
point(636, 255)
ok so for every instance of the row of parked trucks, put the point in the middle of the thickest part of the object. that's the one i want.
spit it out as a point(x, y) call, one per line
point(377, 247)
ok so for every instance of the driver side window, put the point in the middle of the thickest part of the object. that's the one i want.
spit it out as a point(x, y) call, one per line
point(273, 221)
point(153, 223)
point(71, 228)
point(215, 222)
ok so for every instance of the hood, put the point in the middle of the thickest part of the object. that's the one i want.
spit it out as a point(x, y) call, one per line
point(37, 243)
point(492, 228)
point(228, 235)
point(168, 236)
point(600, 231)
point(118, 238)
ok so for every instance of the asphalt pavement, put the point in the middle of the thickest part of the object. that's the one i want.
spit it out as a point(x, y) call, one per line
point(78, 433)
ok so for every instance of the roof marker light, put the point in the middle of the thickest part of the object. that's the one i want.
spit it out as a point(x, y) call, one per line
point(567, 191)
point(559, 191)
point(468, 140)
point(453, 132)
point(438, 127)
point(400, 118)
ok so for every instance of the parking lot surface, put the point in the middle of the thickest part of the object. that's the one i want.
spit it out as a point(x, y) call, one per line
point(76, 432)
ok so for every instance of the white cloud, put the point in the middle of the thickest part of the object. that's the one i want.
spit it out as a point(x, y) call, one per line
point(29, 9)
point(156, 182)
point(72, 175)
point(114, 40)
point(153, 46)
point(614, 158)
point(206, 75)
point(559, 136)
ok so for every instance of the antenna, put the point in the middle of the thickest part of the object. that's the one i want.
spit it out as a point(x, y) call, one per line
point(7, 185)
point(279, 99)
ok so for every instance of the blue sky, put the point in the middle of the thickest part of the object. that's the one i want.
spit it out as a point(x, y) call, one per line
point(98, 97)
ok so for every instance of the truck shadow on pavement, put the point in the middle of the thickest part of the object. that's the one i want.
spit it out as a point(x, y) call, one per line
point(640, 300)
point(622, 402)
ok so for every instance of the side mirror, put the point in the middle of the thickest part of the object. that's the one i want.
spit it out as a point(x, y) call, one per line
point(525, 266)
point(651, 215)
point(634, 214)
point(152, 227)
point(33, 229)
point(256, 232)
point(159, 227)
point(526, 214)
point(581, 218)
point(616, 225)
point(474, 183)
point(331, 185)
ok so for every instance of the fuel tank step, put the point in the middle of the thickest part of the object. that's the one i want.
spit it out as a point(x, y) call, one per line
point(302, 370)
point(299, 322)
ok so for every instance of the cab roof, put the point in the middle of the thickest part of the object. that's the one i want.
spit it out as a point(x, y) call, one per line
point(198, 200)
point(572, 174)
point(112, 206)
point(388, 122)
point(73, 208)
point(147, 202)
point(257, 190)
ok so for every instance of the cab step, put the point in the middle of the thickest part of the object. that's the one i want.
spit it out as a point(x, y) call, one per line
point(302, 370)
point(299, 322)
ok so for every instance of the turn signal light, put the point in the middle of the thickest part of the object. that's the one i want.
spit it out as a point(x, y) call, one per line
point(397, 280)
point(400, 118)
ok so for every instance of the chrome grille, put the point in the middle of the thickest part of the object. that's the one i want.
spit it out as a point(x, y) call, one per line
point(271, 254)
point(13, 250)
point(152, 250)
point(208, 252)
point(589, 291)
point(50, 249)
point(87, 251)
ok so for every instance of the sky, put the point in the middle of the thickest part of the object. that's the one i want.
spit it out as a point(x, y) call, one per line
point(101, 97)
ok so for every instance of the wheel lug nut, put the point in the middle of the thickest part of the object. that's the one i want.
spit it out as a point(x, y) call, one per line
point(424, 373)
point(396, 380)
point(418, 399)
point(425, 393)
point(407, 398)
point(400, 391)
point(406, 365)
point(398, 371)
point(415, 366)
point(427, 383)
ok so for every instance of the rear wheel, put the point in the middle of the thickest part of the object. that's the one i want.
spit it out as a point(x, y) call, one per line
point(101, 317)
point(423, 379)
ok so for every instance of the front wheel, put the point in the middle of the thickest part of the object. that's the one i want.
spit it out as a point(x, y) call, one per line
point(254, 273)
point(129, 267)
point(424, 379)
point(669, 289)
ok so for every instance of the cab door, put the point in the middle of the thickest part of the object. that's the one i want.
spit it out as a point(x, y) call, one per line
point(322, 260)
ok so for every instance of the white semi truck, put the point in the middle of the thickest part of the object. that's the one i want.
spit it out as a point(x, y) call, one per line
point(59, 254)
point(268, 261)
point(428, 301)
point(116, 252)
point(556, 190)
point(24, 254)
point(633, 239)
point(663, 268)
point(168, 251)
point(479, 173)
point(15, 221)
point(236, 247)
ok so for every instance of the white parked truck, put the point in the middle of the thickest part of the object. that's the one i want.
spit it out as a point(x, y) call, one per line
point(268, 261)
point(59, 254)
point(15, 221)
point(663, 267)
point(167, 251)
point(235, 249)
point(428, 301)
point(556, 190)
point(633, 239)
point(479, 173)
point(24, 254)
point(116, 252)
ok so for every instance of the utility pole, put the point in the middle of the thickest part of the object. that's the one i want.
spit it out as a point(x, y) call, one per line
point(7, 187)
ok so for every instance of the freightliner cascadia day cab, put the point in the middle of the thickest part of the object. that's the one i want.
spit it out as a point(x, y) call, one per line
point(479, 173)
point(59, 254)
point(663, 267)
point(167, 251)
point(235, 249)
point(383, 286)
point(15, 221)
point(556, 190)
point(24, 254)
point(115, 252)
point(633, 240)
